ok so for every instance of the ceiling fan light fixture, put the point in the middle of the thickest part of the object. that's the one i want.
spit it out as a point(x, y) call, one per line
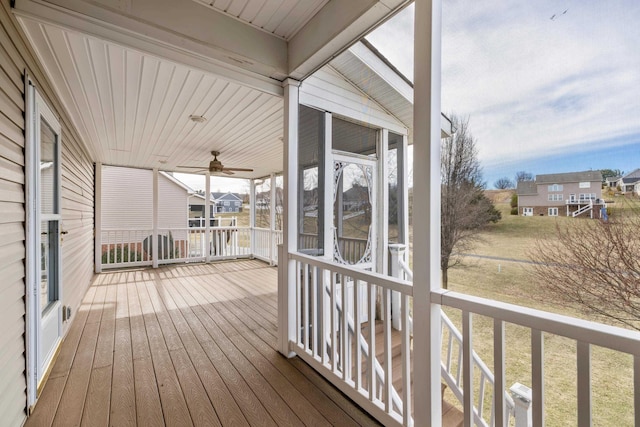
point(197, 119)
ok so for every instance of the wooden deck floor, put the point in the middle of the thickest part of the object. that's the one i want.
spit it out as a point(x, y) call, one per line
point(182, 346)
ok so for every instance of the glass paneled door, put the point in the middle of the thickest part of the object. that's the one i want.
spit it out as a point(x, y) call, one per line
point(43, 238)
point(354, 207)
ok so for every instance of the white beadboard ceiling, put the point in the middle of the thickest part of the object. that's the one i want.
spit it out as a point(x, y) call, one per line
point(283, 18)
point(133, 109)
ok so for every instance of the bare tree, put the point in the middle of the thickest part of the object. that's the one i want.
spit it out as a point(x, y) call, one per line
point(594, 267)
point(465, 209)
point(503, 183)
point(523, 176)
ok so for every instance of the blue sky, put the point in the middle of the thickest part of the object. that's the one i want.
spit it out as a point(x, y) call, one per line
point(545, 90)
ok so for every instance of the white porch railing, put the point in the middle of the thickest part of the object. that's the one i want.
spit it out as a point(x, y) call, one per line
point(325, 339)
point(124, 247)
point(265, 244)
point(452, 369)
point(133, 247)
point(339, 340)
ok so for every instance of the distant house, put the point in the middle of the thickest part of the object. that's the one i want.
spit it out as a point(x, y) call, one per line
point(127, 210)
point(562, 194)
point(127, 199)
point(227, 202)
point(197, 210)
point(627, 182)
point(612, 181)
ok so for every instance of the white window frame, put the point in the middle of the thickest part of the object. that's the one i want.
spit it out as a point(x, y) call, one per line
point(555, 187)
point(552, 211)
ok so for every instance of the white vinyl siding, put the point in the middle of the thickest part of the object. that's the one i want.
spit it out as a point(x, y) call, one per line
point(328, 90)
point(127, 198)
point(77, 214)
point(173, 206)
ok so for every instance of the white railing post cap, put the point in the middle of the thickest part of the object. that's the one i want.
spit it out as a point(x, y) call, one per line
point(397, 247)
point(521, 392)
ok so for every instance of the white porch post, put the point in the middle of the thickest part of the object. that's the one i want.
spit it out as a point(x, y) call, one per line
point(154, 221)
point(272, 219)
point(286, 280)
point(252, 215)
point(383, 206)
point(426, 200)
point(97, 239)
point(207, 215)
point(328, 182)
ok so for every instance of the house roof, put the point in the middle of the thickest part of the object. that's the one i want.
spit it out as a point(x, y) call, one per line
point(177, 182)
point(226, 196)
point(612, 178)
point(631, 177)
point(365, 67)
point(199, 196)
point(556, 178)
point(525, 188)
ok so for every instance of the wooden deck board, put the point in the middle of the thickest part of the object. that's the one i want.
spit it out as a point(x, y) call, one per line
point(185, 345)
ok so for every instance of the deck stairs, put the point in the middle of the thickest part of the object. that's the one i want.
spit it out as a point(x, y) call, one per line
point(583, 209)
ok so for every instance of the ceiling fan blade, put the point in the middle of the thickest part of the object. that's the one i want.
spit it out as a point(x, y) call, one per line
point(238, 169)
point(227, 172)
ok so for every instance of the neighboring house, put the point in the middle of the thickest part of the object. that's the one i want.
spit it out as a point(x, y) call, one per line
point(227, 202)
point(127, 206)
point(627, 182)
point(197, 210)
point(562, 194)
point(612, 181)
point(636, 189)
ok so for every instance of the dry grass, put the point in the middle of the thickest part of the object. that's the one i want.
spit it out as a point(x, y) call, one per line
point(612, 372)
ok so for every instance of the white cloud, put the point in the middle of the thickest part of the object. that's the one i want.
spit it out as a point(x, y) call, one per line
point(531, 84)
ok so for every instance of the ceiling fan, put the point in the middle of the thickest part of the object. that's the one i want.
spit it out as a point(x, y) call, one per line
point(216, 165)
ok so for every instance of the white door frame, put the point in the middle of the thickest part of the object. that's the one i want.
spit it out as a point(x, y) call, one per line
point(339, 156)
point(37, 363)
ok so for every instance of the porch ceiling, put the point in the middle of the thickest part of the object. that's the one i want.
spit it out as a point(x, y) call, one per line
point(133, 109)
point(132, 72)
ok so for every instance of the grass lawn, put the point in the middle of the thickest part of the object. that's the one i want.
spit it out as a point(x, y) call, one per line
point(612, 372)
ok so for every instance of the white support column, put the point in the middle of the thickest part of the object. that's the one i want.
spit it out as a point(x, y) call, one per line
point(252, 215)
point(207, 215)
point(404, 185)
point(155, 242)
point(286, 280)
point(383, 206)
point(272, 219)
point(327, 214)
point(97, 239)
point(426, 200)
point(397, 251)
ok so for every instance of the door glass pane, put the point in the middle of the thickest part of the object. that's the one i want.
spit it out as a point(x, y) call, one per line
point(48, 265)
point(353, 138)
point(352, 212)
point(48, 169)
point(311, 175)
point(396, 181)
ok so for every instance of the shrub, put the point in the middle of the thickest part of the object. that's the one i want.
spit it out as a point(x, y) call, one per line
point(119, 254)
point(514, 211)
point(514, 203)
